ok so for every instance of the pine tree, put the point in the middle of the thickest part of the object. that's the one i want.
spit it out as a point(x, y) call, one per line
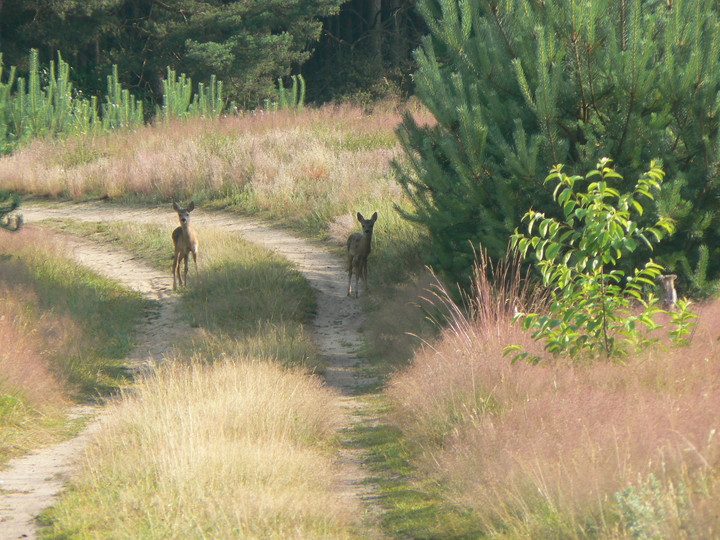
point(517, 86)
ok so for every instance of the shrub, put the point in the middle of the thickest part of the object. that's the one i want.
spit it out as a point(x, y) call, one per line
point(596, 307)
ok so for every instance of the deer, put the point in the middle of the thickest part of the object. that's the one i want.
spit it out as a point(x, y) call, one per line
point(667, 289)
point(185, 242)
point(358, 249)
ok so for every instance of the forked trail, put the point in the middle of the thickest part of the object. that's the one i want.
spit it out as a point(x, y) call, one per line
point(30, 484)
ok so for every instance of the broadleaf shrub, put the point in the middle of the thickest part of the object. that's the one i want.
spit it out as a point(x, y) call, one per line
point(596, 307)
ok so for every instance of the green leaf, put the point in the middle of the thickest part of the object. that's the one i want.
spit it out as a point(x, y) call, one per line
point(552, 251)
point(629, 244)
point(543, 229)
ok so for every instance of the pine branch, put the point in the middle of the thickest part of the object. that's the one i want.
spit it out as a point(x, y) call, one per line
point(496, 18)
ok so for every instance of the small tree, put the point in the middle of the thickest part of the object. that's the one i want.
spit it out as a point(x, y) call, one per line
point(516, 86)
point(596, 309)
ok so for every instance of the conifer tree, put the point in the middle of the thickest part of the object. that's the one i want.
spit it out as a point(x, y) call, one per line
point(517, 86)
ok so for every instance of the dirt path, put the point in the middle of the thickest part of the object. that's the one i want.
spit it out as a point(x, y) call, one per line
point(32, 483)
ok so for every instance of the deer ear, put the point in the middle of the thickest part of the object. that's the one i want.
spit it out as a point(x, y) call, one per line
point(191, 207)
point(176, 207)
point(374, 217)
point(360, 217)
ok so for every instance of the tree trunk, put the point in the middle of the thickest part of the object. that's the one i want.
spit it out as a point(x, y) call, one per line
point(375, 24)
point(397, 51)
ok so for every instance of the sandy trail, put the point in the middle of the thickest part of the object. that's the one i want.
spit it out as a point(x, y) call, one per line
point(32, 483)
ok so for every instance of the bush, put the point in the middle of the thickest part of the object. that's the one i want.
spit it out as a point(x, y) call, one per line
point(596, 307)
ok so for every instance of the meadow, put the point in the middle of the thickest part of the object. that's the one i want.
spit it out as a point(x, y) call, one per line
point(557, 449)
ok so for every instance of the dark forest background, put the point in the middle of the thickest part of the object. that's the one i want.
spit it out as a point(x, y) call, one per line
point(359, 50)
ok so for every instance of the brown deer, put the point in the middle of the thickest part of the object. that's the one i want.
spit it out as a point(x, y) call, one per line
point(667, 289)
point(358, 248)
point(186, 242)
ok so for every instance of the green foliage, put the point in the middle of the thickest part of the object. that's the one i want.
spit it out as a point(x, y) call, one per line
point(208, 102)
point(180, 102)
point(30, 109)
point(295, 97)
point(45, 104)
point(284, 98)
point(5, 88)
point(177, 95)
point(596, 307)
point(245, 43)
point(648, 509)
point(121, 109)
point(518, 86)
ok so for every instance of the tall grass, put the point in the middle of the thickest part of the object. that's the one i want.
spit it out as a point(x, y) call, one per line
point(300, 167)
point(310, 170)
point(99, 316)
point(63, 332)
point(231, 450)
point(32, 398)
point(563, 450)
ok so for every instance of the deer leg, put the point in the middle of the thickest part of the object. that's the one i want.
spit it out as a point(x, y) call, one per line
point(194, 254)
point(186, 268)
point(358, 271)
point(365, 275)
point(176, 271)
point(350, 273)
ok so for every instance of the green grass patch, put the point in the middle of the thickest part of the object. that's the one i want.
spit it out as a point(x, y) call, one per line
point(25, 425)
point(253, 302)
point(105, 314)
point(414, 507)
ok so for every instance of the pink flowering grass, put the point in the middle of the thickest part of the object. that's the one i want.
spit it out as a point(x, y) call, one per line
point(567, 449)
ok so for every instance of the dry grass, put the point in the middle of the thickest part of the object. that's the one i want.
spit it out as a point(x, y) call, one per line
point(31, 396)
point(31, 334)
point(26, 338)
point(33, 388)
point(218, 448)
point(546, 449)
point(287, 164)
point(237, 449)
point(64, 332)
